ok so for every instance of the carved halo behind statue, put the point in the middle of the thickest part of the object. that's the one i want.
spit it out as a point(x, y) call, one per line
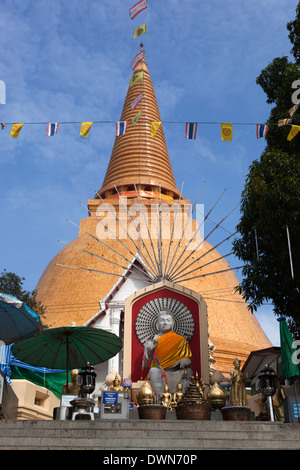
point(146, 321)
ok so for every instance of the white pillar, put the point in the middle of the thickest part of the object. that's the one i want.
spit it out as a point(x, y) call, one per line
point(115, 320)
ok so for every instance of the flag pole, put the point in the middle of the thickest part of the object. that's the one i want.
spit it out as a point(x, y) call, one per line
point(114, 234)
point(290, 252)
point(138, 233)
point(201, 243)
point(148, 231)
point(256, 244)
point(170, 272)
point(125, 230)
point(186, 225)
point(174, 223)
point(100, 241)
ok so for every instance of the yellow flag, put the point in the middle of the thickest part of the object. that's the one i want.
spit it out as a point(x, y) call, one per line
point(139, 30)
point(15, 131)
point(136, 118)
point(226, 131)
point(293, 132)
point(154, 127)
point(136, 78)
point(85, 128)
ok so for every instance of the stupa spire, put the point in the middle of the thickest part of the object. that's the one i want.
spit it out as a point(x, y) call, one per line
point(137, 158)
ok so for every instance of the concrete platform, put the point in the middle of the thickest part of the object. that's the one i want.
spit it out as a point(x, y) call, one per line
point(132, 435)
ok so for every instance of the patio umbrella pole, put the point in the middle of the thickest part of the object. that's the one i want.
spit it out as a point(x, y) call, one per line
point(67, 348)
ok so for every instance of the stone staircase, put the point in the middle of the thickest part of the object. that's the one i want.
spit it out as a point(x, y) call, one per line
point(148, 435)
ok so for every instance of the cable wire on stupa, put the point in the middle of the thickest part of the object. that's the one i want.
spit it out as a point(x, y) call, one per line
point(153, 266)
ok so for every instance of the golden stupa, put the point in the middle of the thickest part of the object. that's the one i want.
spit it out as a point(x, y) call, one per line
point(140, 169)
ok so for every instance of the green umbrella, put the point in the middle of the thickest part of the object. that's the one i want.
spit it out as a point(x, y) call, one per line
point(68, 347)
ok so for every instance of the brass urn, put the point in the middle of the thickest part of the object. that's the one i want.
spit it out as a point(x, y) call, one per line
point(146, 395)
point(216, 397)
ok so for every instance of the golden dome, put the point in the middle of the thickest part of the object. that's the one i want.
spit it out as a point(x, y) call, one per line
point(73, 295)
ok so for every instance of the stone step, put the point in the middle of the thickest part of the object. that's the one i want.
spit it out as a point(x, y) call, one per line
point(130, 435)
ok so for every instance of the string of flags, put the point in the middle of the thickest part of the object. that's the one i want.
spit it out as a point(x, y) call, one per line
point(190, 127)
point(122, 127)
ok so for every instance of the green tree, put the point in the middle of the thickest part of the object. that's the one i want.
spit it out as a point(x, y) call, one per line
point(294, 28)
point(271, 199)
point(276, 80)
point(11, 283)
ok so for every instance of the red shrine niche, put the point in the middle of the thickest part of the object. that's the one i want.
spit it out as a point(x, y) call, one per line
point(133, 347)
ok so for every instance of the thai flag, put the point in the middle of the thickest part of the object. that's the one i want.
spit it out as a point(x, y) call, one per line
point(190, 130)
point(261, 130)
point(137, 8)
point(136, 101)
point(121, 127)
point(137, 59)
point(52, 128)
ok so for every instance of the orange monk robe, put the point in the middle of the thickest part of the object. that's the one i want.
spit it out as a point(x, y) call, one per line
point(171, 348)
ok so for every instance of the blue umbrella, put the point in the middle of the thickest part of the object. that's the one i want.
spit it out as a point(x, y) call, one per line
point(17, 320)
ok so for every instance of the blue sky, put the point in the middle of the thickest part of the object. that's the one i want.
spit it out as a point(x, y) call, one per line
point(70, 61)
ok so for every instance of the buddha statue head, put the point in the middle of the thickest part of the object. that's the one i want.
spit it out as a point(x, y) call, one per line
point(165, 321)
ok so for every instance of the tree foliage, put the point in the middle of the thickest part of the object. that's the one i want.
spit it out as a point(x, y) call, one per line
point(270, 203)
point(276, 80)
point(271, 199)
point(11, 283)
point(294, 28)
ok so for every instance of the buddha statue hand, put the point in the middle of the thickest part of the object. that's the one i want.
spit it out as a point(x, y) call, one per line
point(150, 345)
point(184, 363)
